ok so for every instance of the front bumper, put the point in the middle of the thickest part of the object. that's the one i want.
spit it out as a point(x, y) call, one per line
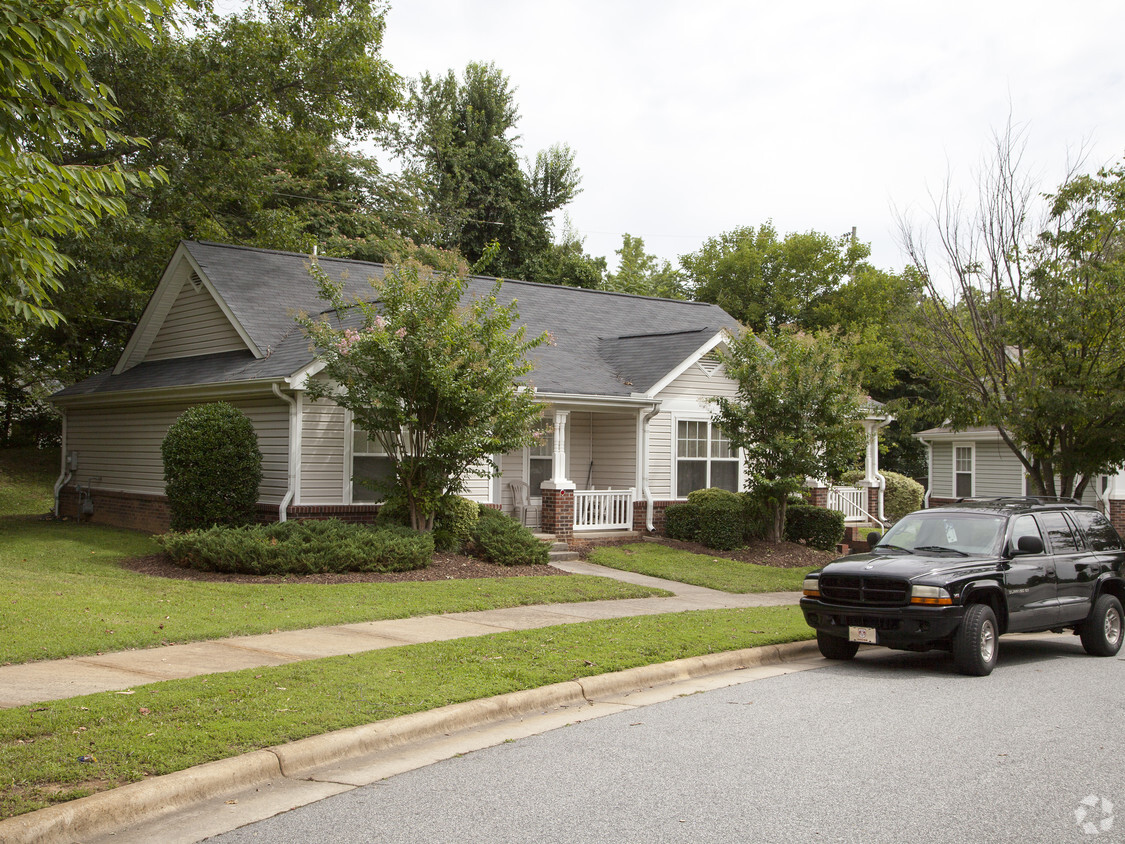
point(909, 627)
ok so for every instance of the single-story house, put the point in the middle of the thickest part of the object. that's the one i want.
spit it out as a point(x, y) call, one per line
point(977, 463)
point(624, 387)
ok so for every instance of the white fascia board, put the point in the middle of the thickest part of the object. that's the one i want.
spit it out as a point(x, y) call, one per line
point(592, 402)
point(949, 435)
point(164, 395)
point(299, 380)
point(718, 339)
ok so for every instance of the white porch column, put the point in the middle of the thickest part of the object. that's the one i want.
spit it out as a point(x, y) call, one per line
point(559, 479)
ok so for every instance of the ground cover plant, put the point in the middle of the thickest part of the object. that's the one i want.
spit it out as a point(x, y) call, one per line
point(66, 593)
point(164, 727)
point(714, 572)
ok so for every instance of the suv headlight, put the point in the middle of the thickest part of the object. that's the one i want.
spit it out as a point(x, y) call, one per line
point(811, 587)
point(930, 596)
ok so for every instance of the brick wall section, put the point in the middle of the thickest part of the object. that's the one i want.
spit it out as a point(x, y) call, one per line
point(557, 513)
point(640, 515)
point(873, 501)
point(938, 502)
point(818, 496)
point(1116, 514)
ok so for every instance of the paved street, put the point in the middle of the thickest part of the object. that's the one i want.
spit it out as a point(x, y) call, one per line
point(890, 748)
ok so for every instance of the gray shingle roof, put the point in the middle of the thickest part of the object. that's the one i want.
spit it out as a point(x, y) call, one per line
point(606, 344)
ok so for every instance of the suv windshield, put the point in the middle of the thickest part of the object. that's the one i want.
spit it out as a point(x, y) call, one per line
point(964, 533)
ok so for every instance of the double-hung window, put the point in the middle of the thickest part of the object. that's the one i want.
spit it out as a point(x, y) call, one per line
point(704, 458)
point(541, 459)
point(963, 471)
point(369, 463)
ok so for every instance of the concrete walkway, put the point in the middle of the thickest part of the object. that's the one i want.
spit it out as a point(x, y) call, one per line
point(57, 679)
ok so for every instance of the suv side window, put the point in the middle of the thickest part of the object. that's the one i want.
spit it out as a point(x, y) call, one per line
point(1099, 532)
point(1058, 530)
point(1023, 526)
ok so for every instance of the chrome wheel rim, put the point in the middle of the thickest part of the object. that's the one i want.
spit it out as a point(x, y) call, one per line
point(988, 642)
point(1113, 626)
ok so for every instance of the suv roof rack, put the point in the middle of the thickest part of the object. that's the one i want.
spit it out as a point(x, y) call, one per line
point(1022, 499)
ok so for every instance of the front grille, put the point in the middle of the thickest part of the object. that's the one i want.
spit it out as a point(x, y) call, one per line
point(864, 591)
point(878, 623)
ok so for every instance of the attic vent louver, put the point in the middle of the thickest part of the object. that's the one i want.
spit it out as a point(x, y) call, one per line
point(196, 281)
point(710, 364)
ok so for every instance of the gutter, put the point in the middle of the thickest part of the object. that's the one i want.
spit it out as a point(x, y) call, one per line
point(65, 473)
point(294, 446)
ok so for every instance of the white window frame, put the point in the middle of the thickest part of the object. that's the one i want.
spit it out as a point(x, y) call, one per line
point(536, 494)
point(675, 452)
point(350, 454)
point(971, 446)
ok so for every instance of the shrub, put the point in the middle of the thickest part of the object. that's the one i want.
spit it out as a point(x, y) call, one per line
point(300, 547)
point(500, 539)
point(393, 512)
point(815, 526)
point(756, 515)
point(681, 521)
point(706, 496)
point(212, 467)
point(722, 523)
point(453, 523)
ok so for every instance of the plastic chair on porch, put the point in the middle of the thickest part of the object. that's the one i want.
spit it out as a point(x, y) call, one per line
point(521, 502)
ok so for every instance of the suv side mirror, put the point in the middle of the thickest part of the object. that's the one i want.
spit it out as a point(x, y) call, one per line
point(873, 538)
point(1029, 545)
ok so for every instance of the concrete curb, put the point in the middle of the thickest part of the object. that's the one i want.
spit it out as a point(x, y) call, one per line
point(152, 799)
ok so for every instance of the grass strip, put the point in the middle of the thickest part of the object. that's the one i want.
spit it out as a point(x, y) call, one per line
point(168, 726)
point(720, 573)
point(65, 594)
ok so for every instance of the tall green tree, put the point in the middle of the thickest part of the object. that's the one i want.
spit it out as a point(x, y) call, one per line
point(641, 273)
point(460, 137)
point(766, 281)
point(795, 414)
point(51, 99)
point(566, 262)
point(1020, 325)
point(431, 373)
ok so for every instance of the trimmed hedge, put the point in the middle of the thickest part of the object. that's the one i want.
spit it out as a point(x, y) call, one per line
point(817, 527)
point(711, 494)
point(300, 547)
point(212, 467)
point(453, 524)
point(500, 539)
point(681, 521)
point(722, 523)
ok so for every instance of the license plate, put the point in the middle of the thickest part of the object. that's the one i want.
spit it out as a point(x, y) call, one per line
point(862, 634)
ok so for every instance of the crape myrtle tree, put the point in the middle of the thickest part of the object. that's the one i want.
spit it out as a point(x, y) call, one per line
point(795, 415)
point(430, 372)
point(1020, 322)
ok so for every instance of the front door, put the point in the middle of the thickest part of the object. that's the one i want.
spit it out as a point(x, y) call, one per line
point(1033, 601)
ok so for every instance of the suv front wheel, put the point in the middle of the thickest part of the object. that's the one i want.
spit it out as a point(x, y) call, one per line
point(976, 642)
point(1101, 632)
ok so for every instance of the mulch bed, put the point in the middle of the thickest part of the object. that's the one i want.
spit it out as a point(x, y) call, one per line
point(443, 567)
point(783, 555)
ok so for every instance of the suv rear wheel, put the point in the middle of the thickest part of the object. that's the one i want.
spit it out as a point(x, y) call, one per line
point(975, 644)
point(1101, 632)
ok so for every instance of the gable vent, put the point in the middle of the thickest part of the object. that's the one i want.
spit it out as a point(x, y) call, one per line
point(710, 364)
point(196, 281)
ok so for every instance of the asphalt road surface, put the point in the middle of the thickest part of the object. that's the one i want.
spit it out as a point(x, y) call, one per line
point(892, 747)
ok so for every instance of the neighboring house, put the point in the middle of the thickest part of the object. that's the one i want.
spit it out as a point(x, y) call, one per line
point(977, 463)
point(625, 389)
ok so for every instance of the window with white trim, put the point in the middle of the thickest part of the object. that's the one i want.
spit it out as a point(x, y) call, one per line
point(540, 458)
point(371, 462)
point(963, 471)
point(704, 458)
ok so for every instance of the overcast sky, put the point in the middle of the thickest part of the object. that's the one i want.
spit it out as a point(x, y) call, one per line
point(691, 118)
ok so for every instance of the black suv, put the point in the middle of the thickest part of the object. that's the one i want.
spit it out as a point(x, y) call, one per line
point(957, 577)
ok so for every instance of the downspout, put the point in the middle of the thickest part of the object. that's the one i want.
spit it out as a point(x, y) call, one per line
point(65, 473)
point(282, 510)
point(646, 491)
point(929, 473)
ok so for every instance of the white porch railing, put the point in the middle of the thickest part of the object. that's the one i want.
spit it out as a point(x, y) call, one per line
point(608, 509)
point(851, 501)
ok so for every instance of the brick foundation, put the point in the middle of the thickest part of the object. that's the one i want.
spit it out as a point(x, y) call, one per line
point(1116, 514)
point(150, 512)
point(557, 513)
point(640, 515)
point(818, 496)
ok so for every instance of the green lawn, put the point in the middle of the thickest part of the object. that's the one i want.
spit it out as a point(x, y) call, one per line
point(27, 479)
point(657, 560)
point(64, 594)
point(169, 726)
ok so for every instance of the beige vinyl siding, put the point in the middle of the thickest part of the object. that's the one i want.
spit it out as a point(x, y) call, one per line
point(512, 469)
point(323, 442)
point(478, 488)
point(660, 456)
point(615, 451)
point(941, 470)
point(121, 445)
point(998, 471)
point(195, 325)
point(694, 382)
